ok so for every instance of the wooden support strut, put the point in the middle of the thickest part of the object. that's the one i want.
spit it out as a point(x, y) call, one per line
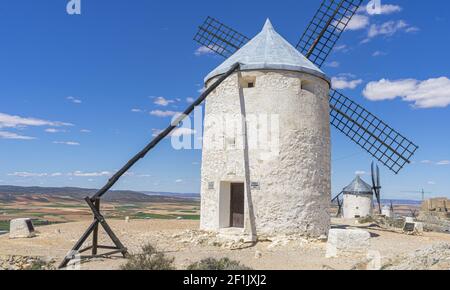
point(94, 202)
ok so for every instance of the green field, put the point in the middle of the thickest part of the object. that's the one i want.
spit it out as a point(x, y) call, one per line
point(141, 215)
point(4, 225)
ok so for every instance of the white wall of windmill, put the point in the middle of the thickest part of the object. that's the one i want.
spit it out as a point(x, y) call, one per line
point(357, 205)
point(387, 211)
point(290, 168)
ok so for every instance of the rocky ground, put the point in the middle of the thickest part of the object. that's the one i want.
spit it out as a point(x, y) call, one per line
point(182, 240)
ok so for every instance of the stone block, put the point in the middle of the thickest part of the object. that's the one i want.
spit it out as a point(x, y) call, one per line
point(21, 229)
point(344, 242)
point(419, 228)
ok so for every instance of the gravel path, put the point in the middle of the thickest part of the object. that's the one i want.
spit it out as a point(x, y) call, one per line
point(182, 240)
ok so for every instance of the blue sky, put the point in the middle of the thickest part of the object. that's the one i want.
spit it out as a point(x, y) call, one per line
point(80, 94)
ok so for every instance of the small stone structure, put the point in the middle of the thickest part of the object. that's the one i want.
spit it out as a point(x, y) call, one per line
point(437, 207)
point(358, 199)
point(342, 242)
point(266, 168)
point(21, 229)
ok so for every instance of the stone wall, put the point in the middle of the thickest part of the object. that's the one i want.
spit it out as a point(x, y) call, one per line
point(292, 182)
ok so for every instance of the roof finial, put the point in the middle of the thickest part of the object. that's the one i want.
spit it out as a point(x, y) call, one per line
point(268, 25)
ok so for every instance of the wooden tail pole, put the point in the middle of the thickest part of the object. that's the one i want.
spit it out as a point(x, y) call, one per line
point(94, 201)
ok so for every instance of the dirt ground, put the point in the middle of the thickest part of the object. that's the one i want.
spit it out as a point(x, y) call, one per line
point(177, 239)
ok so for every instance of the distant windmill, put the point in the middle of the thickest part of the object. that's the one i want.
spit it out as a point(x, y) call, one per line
point(359, 187)
point(362, 127)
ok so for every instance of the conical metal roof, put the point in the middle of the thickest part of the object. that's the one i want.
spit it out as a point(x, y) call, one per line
point(358, 186)
point(269, 51)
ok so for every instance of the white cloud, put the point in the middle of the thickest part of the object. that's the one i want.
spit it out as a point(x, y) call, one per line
point(431, 93)
point(438, 163)
point(14, 136)
point(74, 100)
point(179, 181)
point(161, 101)
point(378, 53)
point(203, 50)
point(333, 64)
point(56, 174)
point(70, 143)
point(360, 172)
point(358, 22)
point(136, 110)
point(190, 100)
point(431, 183)
point(362, 20)
point(10, 121)
point(90, 174)
point(144, 175)
point(159, 113)
point(27, 174)
point(53, 130)
point(384, 9)
point(389, 9)
point(85, 131)
point(390, 28)
point(341, 47)
point(342, 82)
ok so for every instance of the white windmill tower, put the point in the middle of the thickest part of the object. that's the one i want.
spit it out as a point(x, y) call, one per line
point(358, 199)
point(288, 185)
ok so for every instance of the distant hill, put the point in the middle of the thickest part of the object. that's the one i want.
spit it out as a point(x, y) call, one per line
point(173, 194)
point(19, 193)
point(401, 202)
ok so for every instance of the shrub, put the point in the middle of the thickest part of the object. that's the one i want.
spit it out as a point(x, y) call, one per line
point(149, 259)
point(222, 264)
point(39, 265)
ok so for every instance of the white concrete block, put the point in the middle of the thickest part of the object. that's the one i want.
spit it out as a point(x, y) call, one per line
point(343, 242)
point(21, 228)
point(418, 227)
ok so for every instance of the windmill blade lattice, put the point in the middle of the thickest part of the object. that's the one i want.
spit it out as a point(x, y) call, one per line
point(370, 133)
point(219, 37)
point(324, 31)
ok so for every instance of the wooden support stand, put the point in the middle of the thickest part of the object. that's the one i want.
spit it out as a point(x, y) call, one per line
point(94, 202)
point(93, 229)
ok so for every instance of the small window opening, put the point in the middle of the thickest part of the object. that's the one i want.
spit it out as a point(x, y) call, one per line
point(308, 86)
point(248, 82)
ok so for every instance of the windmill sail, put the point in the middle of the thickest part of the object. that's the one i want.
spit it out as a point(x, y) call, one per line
point(365, 129)
point(220, 38)
point(326, 28)
point(370, 133)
